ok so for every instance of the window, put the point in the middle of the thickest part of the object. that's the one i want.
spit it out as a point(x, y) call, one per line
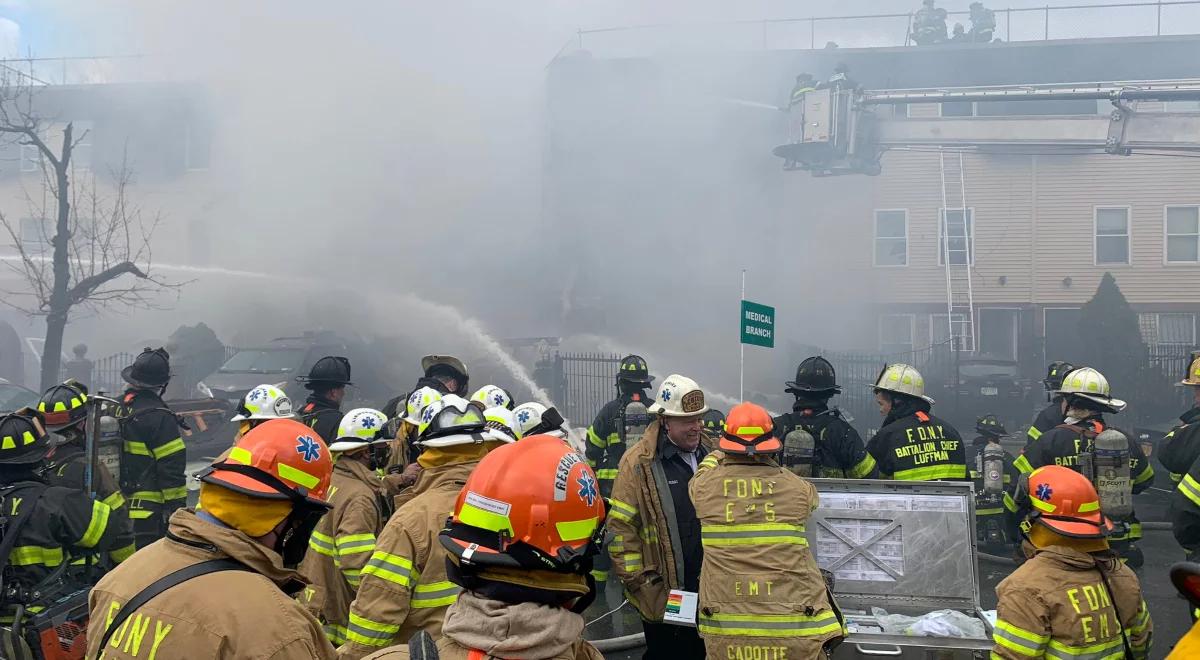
point(1183, 234)
point(961, 249)
point(900, 110)
point(33, 233)
point(30, 158)
point(1112, 235)
point(958, 109)
point(1061, 331)
point(895, 333)
point(998, 332)
point(1168, 328)
point(939, 328)
point(891, 238)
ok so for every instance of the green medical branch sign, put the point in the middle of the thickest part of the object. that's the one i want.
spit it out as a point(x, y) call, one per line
point(758, 324)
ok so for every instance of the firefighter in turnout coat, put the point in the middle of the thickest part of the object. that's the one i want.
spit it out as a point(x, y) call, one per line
point(1073, 598)
point(403, 589)
point(761, 592)
point(913, 444)
point(345, 538)
point(818, 442)
point(1180, 453)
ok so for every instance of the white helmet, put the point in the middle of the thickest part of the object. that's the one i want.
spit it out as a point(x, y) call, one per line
point(679, 396)
point(501, 421)
point(417, 401)
point(451, 421)
point(264, 402)
point(535, 419)
point(1090, 384)
point(359, 428)
point(492, 396)
point(902, 379)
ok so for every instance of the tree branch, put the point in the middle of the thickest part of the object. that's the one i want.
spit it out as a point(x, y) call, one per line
point(88, 285)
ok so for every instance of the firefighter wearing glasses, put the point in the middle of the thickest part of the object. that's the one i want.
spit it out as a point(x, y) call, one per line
point(519, 544)
point(761, 593)
point(1074, 598)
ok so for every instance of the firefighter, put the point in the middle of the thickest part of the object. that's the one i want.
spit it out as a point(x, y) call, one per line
point(404, 588)
point(714, 423)
point(1054, 413)
point(501, 420)
point(51, 524)
point(264, 402)
point(994, 474)
point(804, 84)
point(444, 373)
point(403, 468)
point(817, 440)
point(154, 456)
point(523, 599)
point(65, 408)
point(1073, 444)
point(1181, 446)
point(492, 396)
point(534, 418)
point(753, 535)
point(1073, 598)
point(929, 24)
point(655, 543)
point(345, 538)
point(326, 383)
point(913, 445)
point(227, 573)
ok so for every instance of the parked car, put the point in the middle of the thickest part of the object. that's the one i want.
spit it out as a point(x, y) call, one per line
point(14, 397)
point(994, 385)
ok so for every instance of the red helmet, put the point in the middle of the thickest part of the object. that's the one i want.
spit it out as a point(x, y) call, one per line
point(534, 504)
point(749, 430)
point(278, 459)
point(1066, 502)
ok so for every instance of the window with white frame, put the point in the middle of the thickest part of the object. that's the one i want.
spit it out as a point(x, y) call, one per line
point(1168, 328)
point(891, 238)
point(895, 333)
point(1112, 235)
point(33, 233)
point(957, 225)
point(1183, 234)
point(939, 327)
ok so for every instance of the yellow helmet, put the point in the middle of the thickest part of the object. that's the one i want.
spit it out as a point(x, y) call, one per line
point(1090, 384)
point(902, 379)
point(1193, 373)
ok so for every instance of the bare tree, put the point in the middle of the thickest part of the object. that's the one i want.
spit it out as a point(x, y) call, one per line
point(99, 258)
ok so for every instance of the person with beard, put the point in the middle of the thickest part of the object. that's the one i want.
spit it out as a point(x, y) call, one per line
point(913, 444)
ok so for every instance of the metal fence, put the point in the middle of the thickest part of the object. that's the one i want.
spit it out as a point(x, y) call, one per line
point(581, 383)
point(106, 371)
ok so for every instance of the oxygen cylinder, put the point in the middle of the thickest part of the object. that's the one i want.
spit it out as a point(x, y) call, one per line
point(1111, 473)
point(634, 420)
point(799, 451)
point(993, 469)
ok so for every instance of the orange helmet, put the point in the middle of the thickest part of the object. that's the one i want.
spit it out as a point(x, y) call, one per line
point(748, 430)
point(1066, 502)
point(534, 504)
point(280, 459)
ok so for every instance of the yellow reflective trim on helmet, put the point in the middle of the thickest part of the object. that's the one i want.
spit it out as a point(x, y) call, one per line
point(28, 438)
point(240, 455)
point(59, 406)
point(9, 442)
point(577, 530)
point(297, 475)
point(484, 519)
point(1088, 507)
point(749, 430)
point(1041, 505)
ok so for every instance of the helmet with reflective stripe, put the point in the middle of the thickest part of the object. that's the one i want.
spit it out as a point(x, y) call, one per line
point(749, 429)
point(1066, 502)
point(679, 396)
point(417, 401)
point(329, 371)
point(23, 437)
point(451, 421)
point(990, 425)
point(1192, 377)
point(492, 396)
point(815, 374)
point(902, 379)
point(447, 365)
point(264, 402)
point(278, 459)
point(1055, 374)
point(633, 370)
point(64, 405)
point(534, 504)
point(360, 427)
point(534, 418)
point(151, 368)
point(501, 423)
point(1087, 383)
point(714, 422)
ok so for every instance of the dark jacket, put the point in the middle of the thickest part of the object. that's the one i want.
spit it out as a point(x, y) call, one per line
point(63, 524)
point(67, 465)
point(154, 459)
point(605, 446)
point(322, 415)
point(1185, 512)
point(839, 449)
point(1050, 417)
point(1181, 447)
point(914, 445)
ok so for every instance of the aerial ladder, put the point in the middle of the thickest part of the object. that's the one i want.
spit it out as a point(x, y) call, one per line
point(845, 130)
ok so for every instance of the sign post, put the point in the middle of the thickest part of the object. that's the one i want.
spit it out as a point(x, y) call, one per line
point(757, 329)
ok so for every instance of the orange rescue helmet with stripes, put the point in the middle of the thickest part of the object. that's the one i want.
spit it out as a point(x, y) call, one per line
point(534, 504)
point(278, 459)
point(749, 429)
point(1067, 503)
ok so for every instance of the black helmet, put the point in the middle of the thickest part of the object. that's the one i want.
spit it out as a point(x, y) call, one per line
point(152, 368)
point(1055, 374)
point(329, 371)
point(990, 426)
point(64, 405)
point(815, 374)
point(714, 421)
point(633, 370)
point(22, 437)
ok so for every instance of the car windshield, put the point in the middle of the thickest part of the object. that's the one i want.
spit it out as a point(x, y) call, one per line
point(264, 361)
point(984, 369)
point(13, 397)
